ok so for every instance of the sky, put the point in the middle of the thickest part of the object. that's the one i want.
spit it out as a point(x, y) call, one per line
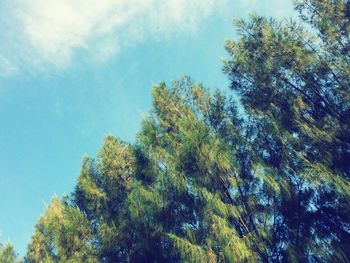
point(73, 71)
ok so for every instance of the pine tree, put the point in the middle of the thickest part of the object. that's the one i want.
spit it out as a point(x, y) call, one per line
point(8, 254)
point(295, 87)
point(203, 183)
point(63, 234)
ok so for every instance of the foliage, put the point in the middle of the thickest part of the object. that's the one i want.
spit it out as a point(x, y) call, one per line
point(8, 254)
point(295, 88)
point(203, 183)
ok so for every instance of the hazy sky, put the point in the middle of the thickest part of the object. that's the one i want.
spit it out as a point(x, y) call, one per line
point(72, 71)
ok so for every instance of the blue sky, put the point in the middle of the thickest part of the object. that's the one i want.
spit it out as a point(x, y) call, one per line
point(72, 71)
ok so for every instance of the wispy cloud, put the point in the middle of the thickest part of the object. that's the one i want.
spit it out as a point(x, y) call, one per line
point(278, 8)
point(50, 32)
point(7, 68)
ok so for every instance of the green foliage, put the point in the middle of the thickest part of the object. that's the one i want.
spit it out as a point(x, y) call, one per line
point(204, 184)
point(295, 88)
point(63, 234)
point(8, 254)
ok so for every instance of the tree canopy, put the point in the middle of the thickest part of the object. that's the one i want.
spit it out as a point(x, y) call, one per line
point(206, 183)
point(8, 254)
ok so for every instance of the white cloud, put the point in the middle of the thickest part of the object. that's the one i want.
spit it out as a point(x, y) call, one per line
point(277, 8)
point(248, 3)
point(50, 32)
point(47, 34)
point(7, 68)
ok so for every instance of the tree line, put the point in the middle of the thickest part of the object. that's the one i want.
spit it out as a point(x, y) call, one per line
point(205, 182)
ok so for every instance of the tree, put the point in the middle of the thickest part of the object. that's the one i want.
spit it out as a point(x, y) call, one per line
point(203, 183)
point(63, 234)
point(295, 87)
point(8, 254)
point(167, 198)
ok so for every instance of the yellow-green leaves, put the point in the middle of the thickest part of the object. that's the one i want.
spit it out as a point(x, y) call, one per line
point(190, 252)
point(8, 254)
point(116, 162)
point(63, 234)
